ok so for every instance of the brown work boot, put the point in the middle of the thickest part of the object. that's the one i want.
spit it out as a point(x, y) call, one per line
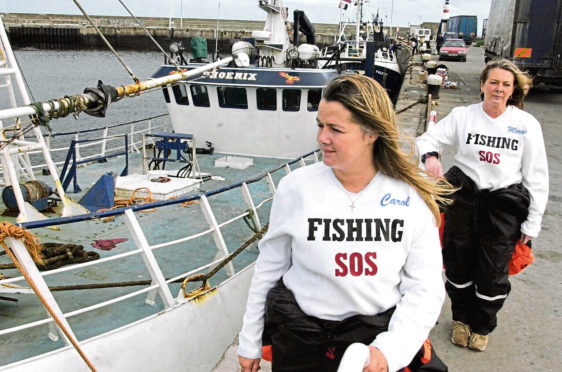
point(461, 333)
point(478, 342)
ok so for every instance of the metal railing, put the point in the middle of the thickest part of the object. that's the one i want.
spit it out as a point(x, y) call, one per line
point(69, 173)
point(251, 204)
point(105, 146)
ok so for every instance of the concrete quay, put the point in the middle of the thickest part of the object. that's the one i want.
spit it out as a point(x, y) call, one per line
point(528, 334)
point(56, 31)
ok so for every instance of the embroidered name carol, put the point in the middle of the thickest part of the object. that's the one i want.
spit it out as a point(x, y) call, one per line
point(387, 199)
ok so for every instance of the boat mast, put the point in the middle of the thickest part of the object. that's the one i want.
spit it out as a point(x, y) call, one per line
point(391, 13)
point(170, 17)
point(340, 33)
point(217, 31)
point(358, 26)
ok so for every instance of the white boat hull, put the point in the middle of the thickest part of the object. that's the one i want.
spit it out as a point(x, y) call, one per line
point(191, 336)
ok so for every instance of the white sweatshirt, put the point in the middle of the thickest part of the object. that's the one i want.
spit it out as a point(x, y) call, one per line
point(496, 153)
point(339, 262)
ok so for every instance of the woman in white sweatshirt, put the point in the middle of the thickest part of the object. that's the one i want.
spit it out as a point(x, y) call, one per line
point(501, 169)
point(352, 253)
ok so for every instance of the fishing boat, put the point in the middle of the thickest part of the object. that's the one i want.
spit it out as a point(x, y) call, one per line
point(149, 246)
point(260, 103)
point(147, 268)
point(368, 51)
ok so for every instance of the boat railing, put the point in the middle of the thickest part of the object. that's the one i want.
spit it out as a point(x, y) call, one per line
point(253, 197)
point(105, 144)
point(73, 160)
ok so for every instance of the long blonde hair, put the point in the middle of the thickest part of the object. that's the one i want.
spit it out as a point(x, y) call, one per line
point(372, 109)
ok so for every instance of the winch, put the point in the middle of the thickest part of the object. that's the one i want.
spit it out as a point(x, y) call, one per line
point(34, 192)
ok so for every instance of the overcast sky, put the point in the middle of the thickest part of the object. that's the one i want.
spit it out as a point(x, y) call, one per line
point(395, 12)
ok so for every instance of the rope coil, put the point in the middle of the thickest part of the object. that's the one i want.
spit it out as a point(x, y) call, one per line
point(40, 117)
point(29, 240)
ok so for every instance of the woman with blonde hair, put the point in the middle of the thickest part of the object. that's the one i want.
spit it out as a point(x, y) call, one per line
point(501, 171)
point(352, 253)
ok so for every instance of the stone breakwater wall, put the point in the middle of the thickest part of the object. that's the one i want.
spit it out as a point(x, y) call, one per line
point(55, 31)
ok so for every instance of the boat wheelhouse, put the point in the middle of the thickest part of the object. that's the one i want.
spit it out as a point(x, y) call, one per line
point(249, 111)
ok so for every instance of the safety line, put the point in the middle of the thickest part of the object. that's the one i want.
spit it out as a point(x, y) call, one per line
point(170, 59)
point(106, 42)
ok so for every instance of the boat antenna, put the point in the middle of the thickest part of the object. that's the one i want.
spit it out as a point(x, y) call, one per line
point(170, 59)
point(217, 31)
point(136, 79)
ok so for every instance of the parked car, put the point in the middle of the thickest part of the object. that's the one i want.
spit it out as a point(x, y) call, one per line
point(453, 49)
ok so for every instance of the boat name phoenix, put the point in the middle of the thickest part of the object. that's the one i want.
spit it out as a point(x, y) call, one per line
point(251, 76)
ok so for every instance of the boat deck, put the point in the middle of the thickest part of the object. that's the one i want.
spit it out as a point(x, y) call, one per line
point(179, 236)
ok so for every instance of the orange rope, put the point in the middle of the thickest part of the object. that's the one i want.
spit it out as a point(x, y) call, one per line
point(120, 203)
point(133, 200)
point(32, 243)
point(189, 202)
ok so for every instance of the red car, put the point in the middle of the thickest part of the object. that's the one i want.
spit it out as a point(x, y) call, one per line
point(453, 49)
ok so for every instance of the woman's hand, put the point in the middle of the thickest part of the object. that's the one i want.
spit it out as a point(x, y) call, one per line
point(433, 167)
point(249, 365)
point(525, 238)
point(377, 361)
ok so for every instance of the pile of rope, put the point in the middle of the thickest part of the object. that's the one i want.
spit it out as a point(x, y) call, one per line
point(60, 254)
point(54, 255)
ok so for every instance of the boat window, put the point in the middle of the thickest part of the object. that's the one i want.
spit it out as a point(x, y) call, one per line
point(199, 95)
point(232, 97)
point(181, 94)
point(266, 99)
point(314, 96)
point(291, 99)
point(166, 94)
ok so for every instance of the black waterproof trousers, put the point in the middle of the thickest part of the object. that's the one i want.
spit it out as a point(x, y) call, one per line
point(303, 343)
point(481, 230)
